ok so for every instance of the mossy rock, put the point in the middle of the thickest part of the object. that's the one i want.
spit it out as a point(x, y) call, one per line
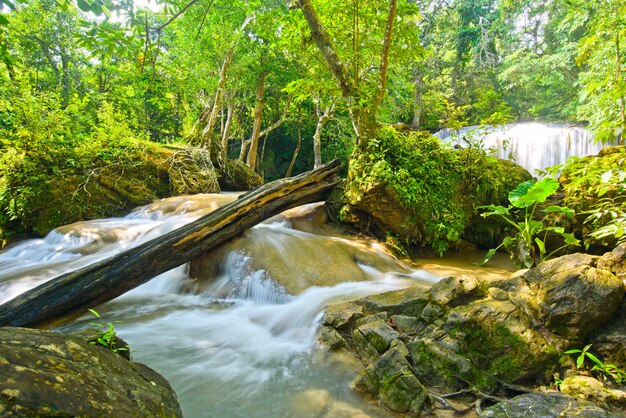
point(46, 374)
point(113, 188)
point(411, 189)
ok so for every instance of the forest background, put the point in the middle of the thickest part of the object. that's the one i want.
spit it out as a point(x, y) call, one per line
point(84, 83)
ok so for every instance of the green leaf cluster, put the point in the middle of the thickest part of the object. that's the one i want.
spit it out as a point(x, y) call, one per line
point(606, 370)
point(107, 337)
point(436, 184)
point(527, 246)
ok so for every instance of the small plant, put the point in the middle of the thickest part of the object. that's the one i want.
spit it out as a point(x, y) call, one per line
point(607, 370)
point(107, 338)
point(526, 246)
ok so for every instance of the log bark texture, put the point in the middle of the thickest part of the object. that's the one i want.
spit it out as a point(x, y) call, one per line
point(70, 295)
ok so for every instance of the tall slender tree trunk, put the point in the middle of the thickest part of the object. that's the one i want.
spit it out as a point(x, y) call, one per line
point(295, 152)
point(322, 119)
point(227, 126)
point(251, 161)
point(363, 116)
point(418, 98)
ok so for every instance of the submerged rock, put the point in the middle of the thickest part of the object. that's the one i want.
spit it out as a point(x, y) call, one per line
point(44, 374)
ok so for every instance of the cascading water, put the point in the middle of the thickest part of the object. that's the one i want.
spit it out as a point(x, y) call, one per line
point(239, 345)
point(534, 146)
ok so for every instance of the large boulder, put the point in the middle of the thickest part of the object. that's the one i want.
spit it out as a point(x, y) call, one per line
point(47, 374)
point(411, 189)
point(468, 336)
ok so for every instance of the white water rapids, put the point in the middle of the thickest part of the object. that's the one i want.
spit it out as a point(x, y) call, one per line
point(534, 146)
point(238, 345)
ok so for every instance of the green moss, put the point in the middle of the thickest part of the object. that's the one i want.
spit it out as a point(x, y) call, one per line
point(501, 353)
point(437, 187)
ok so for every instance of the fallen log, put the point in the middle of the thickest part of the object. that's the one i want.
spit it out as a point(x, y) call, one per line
point(71, 294)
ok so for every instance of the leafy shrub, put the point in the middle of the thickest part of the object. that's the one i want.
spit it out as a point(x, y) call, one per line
point(527, 246)
point(439, 186)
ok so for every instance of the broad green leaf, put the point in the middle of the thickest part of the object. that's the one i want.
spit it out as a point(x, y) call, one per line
point(602, 191)
point(593, 358)
point(540, 245)
point(570, 239)
point(83, 5)
point(519, 191)
point(537, 192)
point(494, 210)
point(488, 256)
point(560, 209)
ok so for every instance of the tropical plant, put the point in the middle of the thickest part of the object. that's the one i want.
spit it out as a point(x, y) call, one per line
point(526, 247)
point(607, 370)
point(107, 337)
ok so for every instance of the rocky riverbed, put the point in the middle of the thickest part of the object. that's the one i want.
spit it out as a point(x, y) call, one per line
point(492, 348)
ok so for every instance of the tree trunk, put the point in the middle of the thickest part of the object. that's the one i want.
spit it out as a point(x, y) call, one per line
point(296, 151)
point(205, 138)
point(322, 119)
point(227, 127)
point(71, 294)
point(418, 99)
point(363, 116)
point(251, 161)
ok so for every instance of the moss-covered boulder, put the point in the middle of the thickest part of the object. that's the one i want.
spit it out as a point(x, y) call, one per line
point(46, 374)
point(473, 337)
point(407, 188)
point(36, 200)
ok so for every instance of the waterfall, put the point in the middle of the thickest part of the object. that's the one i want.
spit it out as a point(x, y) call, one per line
point(534, 146)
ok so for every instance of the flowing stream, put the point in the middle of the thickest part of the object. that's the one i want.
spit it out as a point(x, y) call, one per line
point(534, 146)
point(231, 339)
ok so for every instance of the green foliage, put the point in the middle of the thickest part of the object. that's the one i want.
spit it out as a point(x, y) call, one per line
point(606, 370)
point(594, 186)
point(437, 185)
point(526, 247)
point(107, 337)
point(43, 144)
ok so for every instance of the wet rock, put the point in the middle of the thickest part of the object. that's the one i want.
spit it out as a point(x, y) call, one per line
point(454, 291)
point(330, 339)
point(545, 405)
point(558, 285)
point(591, 389)
point(615, 262)
point(610, 341)
point(342, 316)
point(409, 301)
point(392, 380)
point(43, 373)
point(378, 334)
point(463, 335)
